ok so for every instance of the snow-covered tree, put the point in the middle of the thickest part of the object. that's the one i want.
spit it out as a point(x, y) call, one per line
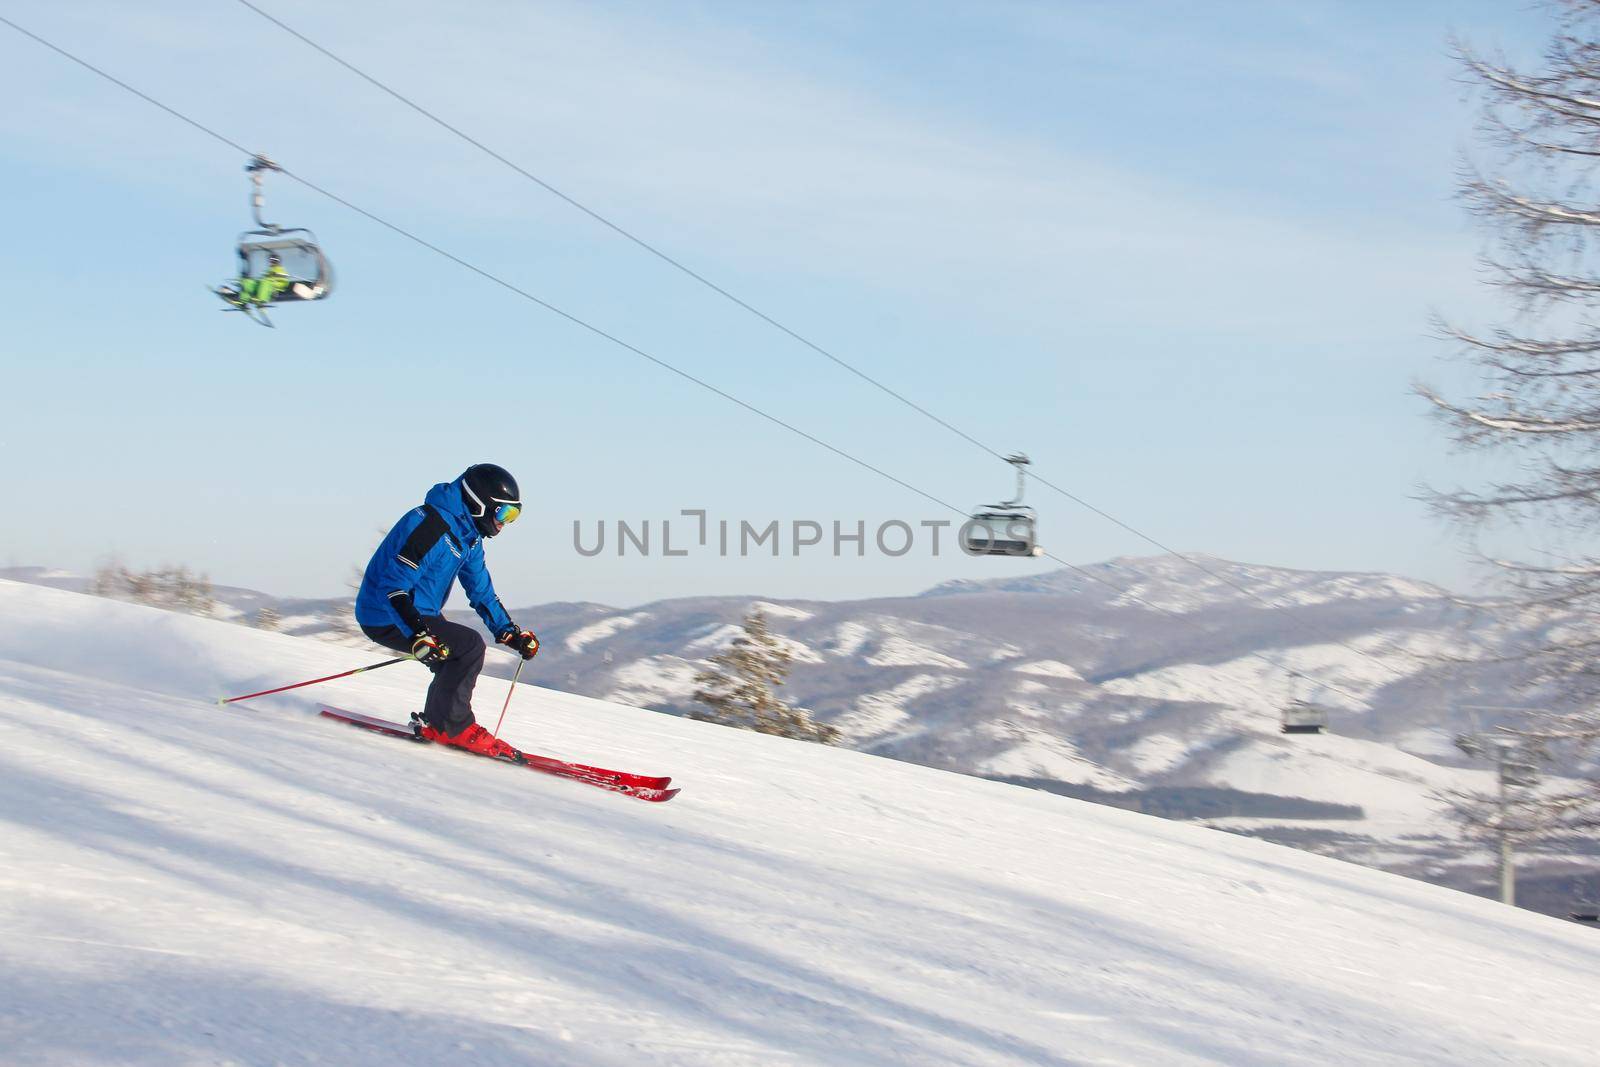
point(738, 689)
point(1538, 413)
point(267, 618)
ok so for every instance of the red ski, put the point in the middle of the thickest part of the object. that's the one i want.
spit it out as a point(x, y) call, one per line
point(643, 786)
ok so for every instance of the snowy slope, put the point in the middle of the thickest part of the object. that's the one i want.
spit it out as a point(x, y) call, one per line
point(185, 884)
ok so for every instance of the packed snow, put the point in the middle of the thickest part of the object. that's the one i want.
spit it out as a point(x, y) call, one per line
point(182, 883)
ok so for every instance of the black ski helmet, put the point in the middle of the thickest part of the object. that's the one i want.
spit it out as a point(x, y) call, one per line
point(491, 496)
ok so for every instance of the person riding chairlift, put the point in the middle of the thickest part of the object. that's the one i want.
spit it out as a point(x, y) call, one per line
point(274, 281)
point(272, 284)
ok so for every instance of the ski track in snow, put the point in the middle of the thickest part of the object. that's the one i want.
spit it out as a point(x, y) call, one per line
point(187, 884)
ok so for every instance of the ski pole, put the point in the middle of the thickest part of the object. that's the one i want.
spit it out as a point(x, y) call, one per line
point(314, 681)
point(507, 704)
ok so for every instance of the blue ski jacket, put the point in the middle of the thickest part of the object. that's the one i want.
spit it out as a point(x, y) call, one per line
point(430, 547)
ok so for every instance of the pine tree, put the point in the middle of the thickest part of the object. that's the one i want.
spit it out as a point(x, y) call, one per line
point(738, 688)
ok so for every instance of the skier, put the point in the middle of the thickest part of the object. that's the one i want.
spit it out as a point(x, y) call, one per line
point(401, 602)
point(259, 291)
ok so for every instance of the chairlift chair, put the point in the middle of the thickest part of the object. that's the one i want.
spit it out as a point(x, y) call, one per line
point(1004, 529)
point(1303, 718)
point(309, 274)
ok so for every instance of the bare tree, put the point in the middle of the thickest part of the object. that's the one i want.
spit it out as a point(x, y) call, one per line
point(1539, 412)
point(268, 618)
point(738, 689)
point(171, 588)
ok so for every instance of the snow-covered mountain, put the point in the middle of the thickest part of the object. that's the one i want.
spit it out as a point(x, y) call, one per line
point(184, 884)
point(1147, 683)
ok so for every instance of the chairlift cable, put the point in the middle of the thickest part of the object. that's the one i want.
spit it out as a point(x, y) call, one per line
point(776, 324)
point(487, 275)
point(146, 97)
point(616, 228)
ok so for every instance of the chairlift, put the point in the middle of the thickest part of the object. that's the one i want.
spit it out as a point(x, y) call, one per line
point(1304, 718)
point(277, 264)
point(1004, 529)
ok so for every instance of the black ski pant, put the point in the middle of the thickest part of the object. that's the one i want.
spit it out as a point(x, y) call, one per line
point(448, 708)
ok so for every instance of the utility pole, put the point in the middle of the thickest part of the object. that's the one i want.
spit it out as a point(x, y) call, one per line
point(1517, 766)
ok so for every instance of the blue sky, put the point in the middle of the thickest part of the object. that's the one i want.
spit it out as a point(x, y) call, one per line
point(1184, 256)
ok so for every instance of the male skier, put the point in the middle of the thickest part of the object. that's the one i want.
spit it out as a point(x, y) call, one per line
point(401, 602)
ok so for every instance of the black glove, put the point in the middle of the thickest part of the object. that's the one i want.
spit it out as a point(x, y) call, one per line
point(428, 649)
point(519, 640)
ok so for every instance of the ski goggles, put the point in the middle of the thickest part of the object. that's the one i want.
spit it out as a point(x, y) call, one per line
point(506, 514)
